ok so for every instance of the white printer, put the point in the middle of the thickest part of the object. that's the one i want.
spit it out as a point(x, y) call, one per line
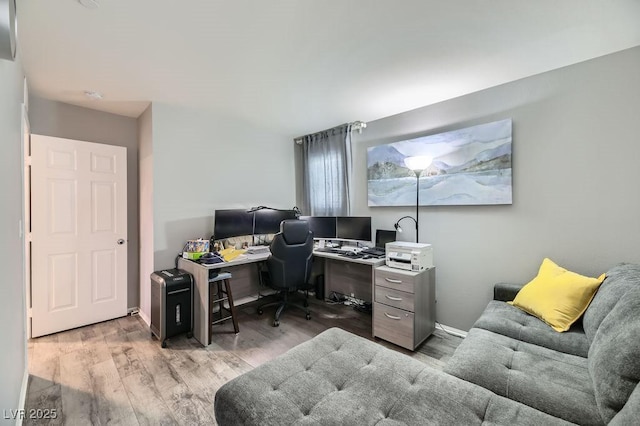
point(410, 256)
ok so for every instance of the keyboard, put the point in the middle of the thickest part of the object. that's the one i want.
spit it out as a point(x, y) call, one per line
point(329, 250)
point(351, 254)
point(374, 251)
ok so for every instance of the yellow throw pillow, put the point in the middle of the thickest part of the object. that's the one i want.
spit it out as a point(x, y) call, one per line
point(557, 296)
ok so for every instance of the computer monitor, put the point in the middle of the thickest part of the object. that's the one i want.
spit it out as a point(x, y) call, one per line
point(232, 223)
point(357, 228)
point(383, 237)
point(323, 227)
point(267, 221)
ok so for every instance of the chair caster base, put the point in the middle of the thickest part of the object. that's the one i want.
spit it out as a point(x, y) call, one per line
point(164, 344)
point(308, 317)
point(276, 323)
point(260, 311)
point(189, 335)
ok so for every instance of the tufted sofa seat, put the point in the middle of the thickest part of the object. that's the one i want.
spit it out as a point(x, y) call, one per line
point(589, 375)
point(338, 378)
point(511, 369)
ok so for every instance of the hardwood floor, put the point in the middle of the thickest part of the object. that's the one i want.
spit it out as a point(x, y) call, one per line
point(116, 373)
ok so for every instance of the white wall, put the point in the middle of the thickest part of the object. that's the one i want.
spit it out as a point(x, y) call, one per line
point(12, 314)
point(203, 161)
point(576, 145)
point(62, 120)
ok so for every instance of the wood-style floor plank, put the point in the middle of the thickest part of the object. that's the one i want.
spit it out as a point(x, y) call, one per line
point(115, 372)
point(147, 403)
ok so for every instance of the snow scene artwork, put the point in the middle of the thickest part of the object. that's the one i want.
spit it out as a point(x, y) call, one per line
point(470, 166)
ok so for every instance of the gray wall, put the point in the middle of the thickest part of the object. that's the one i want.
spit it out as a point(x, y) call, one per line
point(576, 145)
point(62, 120)
point(13, 331)
point(204, 160)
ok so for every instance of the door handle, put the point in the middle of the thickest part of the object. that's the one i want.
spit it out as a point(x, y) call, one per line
point(120, 241)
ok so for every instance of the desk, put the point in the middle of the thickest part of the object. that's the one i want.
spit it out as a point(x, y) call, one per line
point(342, 274)
point(244, 280)
point(349, 276)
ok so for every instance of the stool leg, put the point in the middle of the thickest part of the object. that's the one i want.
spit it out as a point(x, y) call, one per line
point(232, 307)
point(210, 315)
point(221, 302)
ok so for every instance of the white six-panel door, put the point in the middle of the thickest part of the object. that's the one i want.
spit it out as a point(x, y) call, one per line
point(78, 234)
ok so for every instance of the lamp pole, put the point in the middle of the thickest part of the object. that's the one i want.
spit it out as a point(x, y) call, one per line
point(417, 172)
point(418, 164)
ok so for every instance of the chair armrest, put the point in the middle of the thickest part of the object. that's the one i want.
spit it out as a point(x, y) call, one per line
point(506, 292)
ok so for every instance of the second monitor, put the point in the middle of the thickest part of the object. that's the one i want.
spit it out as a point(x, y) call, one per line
point(356, 228)
point(323, 227)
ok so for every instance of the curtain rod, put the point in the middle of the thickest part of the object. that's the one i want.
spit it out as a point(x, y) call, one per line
point(356, 125)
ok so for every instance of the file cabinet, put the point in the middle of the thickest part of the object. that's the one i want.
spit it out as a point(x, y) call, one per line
point(404, 305)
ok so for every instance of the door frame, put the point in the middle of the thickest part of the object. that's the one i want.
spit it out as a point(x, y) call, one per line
point(25, 226)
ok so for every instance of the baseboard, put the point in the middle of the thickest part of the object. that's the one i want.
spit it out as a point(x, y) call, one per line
point(145, 318)
point(451, 330)
point(23, 394)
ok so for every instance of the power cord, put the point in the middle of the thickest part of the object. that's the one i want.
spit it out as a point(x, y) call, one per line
point(446, 331)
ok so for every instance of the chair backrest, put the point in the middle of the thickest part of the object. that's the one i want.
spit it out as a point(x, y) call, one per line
point(291, 255)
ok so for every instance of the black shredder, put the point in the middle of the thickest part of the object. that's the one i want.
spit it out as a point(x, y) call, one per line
point(171, 304)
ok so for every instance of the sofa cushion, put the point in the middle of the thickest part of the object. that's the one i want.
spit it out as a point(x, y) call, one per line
point(510, 321)
point(557, 296)
point(614, 356)
point(620, 279)
point(338, 378)
point(630, 413)
point(550, 381)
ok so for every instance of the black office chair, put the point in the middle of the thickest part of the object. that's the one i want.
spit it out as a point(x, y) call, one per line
point(289, 266)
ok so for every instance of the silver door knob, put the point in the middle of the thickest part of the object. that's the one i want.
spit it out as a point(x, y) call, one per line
point(120, 241)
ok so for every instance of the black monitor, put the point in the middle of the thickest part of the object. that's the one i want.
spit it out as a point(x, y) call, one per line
point(357, 228)
point(383, 237)
point(323, 227)
point(232, 223)
point(267, 221)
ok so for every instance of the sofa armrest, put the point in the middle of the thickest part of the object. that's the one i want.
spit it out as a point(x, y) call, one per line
point(506, 292)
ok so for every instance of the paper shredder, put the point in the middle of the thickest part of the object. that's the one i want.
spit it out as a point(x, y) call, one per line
point(171, 304)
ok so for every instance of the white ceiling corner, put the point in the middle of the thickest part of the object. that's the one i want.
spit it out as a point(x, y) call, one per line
point(301, 66)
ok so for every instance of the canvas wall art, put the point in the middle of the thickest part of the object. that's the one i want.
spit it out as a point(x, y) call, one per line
point(470, 166)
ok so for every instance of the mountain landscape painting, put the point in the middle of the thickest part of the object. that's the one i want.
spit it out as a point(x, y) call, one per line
point(470, 166)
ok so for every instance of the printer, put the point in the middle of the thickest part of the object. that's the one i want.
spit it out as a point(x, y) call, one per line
point(410, 256)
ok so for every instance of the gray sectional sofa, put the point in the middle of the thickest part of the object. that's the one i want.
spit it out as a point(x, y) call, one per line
point(511, 369)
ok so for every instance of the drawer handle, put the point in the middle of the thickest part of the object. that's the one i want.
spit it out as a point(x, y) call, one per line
point(391, 316)
point(397, 299)
point(394, 281)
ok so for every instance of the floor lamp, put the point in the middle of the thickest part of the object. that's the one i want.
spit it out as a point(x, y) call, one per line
point(417, 164)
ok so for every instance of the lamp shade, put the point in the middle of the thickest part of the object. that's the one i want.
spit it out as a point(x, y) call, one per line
point(418, 163)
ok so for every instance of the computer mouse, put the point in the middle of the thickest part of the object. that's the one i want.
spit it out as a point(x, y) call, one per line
point(366, 256)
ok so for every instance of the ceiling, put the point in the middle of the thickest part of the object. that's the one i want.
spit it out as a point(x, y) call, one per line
point(299, 66)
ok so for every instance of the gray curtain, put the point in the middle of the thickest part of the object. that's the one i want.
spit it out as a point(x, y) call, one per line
point(326, 168)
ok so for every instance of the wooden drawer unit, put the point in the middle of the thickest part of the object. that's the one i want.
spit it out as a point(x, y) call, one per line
point(395, 298)
point(404, 307)
point(394, 325)
point(397, 279)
